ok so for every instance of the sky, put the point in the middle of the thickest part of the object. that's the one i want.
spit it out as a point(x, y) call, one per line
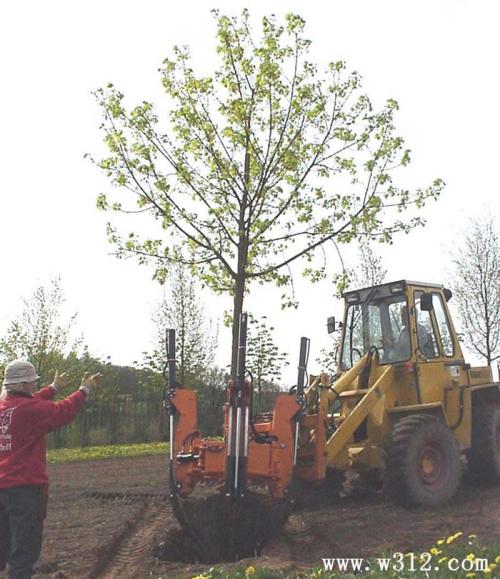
point(438, 59)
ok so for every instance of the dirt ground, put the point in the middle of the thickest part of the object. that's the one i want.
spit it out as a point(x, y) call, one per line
point(106, 516)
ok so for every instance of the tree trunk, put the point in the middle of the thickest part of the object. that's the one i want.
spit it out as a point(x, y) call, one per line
point(239, 295)
point(183, 339)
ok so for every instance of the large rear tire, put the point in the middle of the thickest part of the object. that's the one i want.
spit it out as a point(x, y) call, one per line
point(421, 462)
point(484, 453)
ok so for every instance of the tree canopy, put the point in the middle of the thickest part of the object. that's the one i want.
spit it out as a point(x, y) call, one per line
point(257, 165)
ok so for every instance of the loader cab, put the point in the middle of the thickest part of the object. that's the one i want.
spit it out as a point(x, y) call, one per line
point(403, 321)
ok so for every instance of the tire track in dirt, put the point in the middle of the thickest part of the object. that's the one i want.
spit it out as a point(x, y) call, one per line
point(126, 498)
point(123, 556)
point(302, 543)
point(309, 543)
point(136, 547)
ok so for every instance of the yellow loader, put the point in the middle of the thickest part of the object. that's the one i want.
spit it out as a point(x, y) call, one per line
point(405, 404)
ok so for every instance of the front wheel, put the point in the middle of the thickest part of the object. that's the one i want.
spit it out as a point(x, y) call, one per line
point(421, 462)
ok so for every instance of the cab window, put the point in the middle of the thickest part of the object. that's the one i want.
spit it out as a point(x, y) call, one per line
point(381, 324)
point(426, 338)
point(353, 347)
point(443, 325)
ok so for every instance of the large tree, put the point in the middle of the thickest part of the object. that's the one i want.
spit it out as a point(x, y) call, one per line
point(477, 288)
point(258, 165)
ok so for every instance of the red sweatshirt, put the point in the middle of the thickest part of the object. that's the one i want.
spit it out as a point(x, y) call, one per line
point(24, 422)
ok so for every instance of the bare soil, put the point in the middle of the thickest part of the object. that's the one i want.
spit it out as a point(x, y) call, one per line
point(106, 517)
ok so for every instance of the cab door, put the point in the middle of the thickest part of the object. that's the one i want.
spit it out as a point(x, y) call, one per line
point(440, 366)
point(430, 370)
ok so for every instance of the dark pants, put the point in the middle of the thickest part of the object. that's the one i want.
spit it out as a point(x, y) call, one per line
point(22, 512)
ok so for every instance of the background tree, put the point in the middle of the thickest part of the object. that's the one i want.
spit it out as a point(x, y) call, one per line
point(181, 310)
point(259, 164)
point(368, 271)
point(265, 361)
point(477, 288)
point(128, 407)
point(327, 359)
point(39, 333)
point(211, 396)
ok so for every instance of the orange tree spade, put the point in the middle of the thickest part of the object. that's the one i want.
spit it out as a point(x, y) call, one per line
point(257, 165)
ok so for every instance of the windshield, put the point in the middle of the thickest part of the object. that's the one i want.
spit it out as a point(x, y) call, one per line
point(382, 324)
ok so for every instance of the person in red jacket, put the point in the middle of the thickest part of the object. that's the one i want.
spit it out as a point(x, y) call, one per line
point(25, 418)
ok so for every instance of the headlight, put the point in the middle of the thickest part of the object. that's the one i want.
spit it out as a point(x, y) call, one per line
point(352, 298)
point(397, 288)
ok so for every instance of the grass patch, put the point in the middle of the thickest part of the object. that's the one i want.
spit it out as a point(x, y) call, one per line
point(60, 455)
point(457, 556)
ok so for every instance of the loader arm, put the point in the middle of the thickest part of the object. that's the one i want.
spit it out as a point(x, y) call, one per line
point(320, 395)
point(371, 402)
point(329, 394)
point(346, 380)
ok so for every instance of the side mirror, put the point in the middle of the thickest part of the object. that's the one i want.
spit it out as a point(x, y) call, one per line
point(447, 294)
point(426, 302)
point(330, 324)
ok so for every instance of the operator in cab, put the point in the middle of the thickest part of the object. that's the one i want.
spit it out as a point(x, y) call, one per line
point(401, 348)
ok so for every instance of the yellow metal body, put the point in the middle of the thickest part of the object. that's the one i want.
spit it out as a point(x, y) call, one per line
point(347, 419)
